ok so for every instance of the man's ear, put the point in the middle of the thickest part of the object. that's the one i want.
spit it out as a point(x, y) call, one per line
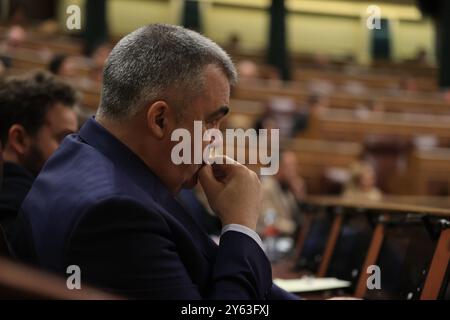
point(18, 139)
point(157, 118)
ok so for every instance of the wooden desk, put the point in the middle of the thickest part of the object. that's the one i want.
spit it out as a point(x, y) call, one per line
point(21, 282)
point(429, 171)
point(401, 103)
point(344, 126)
point(371, 80)
point(392, 204)
point(391, 207)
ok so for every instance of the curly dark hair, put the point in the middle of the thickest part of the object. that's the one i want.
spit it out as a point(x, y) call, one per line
point(25, 100)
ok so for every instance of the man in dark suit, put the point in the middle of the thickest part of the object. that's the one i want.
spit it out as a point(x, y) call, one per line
point(105, 201)
point(36, 113)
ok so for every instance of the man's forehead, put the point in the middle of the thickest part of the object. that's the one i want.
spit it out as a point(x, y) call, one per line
point(214, 95)
point(211, 107)
point(219, 90)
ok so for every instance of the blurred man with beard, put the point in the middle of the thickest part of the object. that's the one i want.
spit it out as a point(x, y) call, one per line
point(36, 113)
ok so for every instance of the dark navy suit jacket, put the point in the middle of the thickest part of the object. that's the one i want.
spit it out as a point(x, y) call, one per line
point(17, 182)
point(97, 205)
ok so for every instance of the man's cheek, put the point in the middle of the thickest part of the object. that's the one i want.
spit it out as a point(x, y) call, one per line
point(50, 147)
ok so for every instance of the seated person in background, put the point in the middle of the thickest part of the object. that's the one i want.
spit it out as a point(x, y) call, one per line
point(281, 195)
point(354, 88)
point(408, 85)
point(62, 65)
point(321, 61)
point(316, 105)
point(35, 115)
point(266, 120)
point(372, 109)
point(105, 201)
point(277, 115)
point(77, 70)
point(421, 57)
point(233, 44)
point(362, 184)
point(248, 71)
point(15, 37)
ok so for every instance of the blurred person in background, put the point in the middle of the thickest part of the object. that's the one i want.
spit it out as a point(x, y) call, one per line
point(233, 43)
point(15, 37)
point(376, 106)
point(362, 183)
point(36, 113)
point(248, 71)
point(62, 65)
point(373, 108)
point(321, 61)
point(280, 215)
point(316, 105)
point(281, 195)
point(266, 120)
point(277, 115)
point(354, 88)
point(408, 85)
point(421, 57)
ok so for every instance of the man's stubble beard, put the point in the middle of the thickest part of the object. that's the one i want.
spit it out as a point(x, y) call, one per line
point(35, 160)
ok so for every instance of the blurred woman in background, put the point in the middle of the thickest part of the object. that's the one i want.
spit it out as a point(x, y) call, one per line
point(362, 183)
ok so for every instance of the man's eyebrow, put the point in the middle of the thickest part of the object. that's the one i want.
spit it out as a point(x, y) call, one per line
point(223, 110)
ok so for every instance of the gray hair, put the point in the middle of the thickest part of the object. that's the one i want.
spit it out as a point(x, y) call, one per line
point(158, 62)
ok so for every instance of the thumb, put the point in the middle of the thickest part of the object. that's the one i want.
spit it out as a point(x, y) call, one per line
point(208, 181)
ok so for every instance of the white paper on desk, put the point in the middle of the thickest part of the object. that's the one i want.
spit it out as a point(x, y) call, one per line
point(309, 284)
